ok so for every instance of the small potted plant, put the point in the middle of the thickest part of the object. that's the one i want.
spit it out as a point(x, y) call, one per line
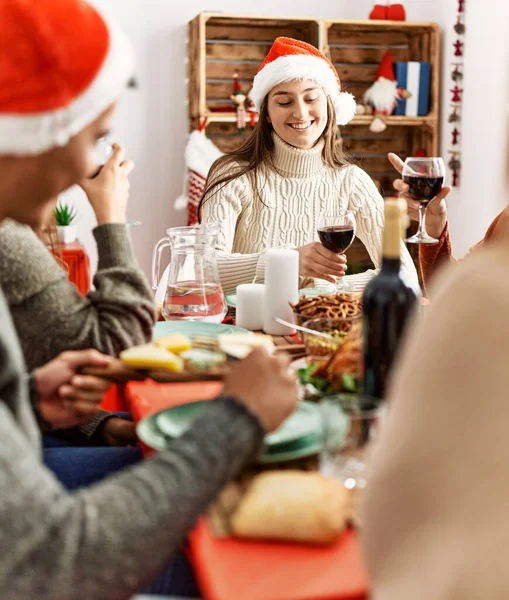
point(65, 216)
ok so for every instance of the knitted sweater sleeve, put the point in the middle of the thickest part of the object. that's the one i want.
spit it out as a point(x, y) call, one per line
point(368, 207)
point(49, 313)
point(224, 206)
point(109, 540)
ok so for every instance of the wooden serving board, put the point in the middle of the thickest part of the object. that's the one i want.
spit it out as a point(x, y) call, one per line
point(118, 372)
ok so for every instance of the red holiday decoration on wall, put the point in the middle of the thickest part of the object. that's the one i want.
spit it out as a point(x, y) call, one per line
point(458, 48)
point(456, 94)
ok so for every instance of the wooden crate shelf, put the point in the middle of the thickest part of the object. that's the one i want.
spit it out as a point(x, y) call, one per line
point(220, 45)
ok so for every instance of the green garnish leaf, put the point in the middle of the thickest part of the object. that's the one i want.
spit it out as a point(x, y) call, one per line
point(349, 382)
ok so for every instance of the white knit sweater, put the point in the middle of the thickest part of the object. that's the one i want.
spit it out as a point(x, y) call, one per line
point(287, 211)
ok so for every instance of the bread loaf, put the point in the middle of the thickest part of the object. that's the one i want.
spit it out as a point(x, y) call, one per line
point(292, 505)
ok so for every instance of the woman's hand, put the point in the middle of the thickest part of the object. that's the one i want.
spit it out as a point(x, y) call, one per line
point(108, 192)
point(66, 398)
point(436, 214)
point(316, 261)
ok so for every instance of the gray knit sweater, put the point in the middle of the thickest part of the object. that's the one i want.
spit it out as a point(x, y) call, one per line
point(51, 316)
point(107, 541)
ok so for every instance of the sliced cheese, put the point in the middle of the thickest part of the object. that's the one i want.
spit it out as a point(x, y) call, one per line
point(174, 342)
point(240, 345)
point(149, 356)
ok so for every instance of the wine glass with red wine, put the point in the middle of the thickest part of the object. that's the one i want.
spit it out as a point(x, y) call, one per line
point(425, 178)
point(336, 231)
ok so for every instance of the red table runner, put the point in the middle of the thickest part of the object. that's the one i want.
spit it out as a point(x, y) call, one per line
point(230, 569)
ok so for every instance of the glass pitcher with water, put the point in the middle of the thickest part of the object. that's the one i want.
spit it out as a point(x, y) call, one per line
point(193, 289)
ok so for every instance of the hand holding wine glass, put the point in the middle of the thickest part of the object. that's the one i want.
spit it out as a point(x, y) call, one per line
point(336, 231)
point(436, 213)
point(318, 262)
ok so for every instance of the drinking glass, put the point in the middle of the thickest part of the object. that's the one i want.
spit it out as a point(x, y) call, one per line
point(350, 423)
point(425, 178)
point(336, 230)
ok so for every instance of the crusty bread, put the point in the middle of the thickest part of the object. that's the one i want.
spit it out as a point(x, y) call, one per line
point(292, 505)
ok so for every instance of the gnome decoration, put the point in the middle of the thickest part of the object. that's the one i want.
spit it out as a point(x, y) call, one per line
point(384, 94)
point(239, 99)
point(251, 109)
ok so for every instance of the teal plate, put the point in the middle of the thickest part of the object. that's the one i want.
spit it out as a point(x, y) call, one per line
point(195, 328)
point(299, 436)
point(231, 300)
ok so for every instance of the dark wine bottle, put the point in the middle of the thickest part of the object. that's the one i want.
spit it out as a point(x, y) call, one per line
point(387, 304)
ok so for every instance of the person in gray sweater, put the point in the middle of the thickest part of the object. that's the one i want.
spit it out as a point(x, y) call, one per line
point(106, 541)
point(51, 316)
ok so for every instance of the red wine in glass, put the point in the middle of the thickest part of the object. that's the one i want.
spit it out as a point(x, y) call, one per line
point(336, 230)
point(424, 176)
point(422, 188)
point(337, 238)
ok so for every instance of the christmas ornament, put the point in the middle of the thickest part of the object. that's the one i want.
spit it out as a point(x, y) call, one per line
point(454, 116)
point(251, 109)
point(457, 75)
point(455, 167)
point(457, 95)
point(239, 99)
point(458, 48)
point(459, 28)
point(384, 94)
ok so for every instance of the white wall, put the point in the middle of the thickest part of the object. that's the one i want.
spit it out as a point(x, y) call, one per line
point(152, 120)
point(484, 185)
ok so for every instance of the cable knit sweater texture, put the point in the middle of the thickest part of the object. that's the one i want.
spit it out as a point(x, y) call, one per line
point(286, 213)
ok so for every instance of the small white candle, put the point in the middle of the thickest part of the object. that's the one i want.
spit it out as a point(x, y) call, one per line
point(281, 288)
point(249, 310)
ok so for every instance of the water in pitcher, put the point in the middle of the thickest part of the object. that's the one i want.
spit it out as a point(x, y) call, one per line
point(190, 301)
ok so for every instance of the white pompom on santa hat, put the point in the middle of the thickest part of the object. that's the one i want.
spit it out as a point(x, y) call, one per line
point(62, 65)
point(294, 60)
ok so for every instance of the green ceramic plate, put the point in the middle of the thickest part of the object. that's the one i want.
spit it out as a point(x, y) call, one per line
point(231, 300)
point(299, 436)
point(194, 328)
point(317, 291)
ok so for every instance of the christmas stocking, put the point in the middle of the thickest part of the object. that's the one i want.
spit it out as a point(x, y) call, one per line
point(199, 155)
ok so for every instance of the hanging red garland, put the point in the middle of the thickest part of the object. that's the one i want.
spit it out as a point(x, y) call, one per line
point(457, 94)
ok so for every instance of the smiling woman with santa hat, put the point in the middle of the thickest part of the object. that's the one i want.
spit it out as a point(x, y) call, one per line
point(272, 190)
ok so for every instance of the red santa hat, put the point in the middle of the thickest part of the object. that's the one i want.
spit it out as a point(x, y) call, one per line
point(62, 65)
point(290, 60)
point(386, 67)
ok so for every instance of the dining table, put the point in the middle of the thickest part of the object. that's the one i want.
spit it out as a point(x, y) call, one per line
point(235, 569)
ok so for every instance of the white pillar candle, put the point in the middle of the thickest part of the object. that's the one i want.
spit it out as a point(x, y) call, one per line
point(281, 288)
point(249, 309)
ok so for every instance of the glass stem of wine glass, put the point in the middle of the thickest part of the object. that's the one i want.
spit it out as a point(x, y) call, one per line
point(422, 219)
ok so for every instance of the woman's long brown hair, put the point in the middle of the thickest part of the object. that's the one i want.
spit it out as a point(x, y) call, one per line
point(258, 149)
